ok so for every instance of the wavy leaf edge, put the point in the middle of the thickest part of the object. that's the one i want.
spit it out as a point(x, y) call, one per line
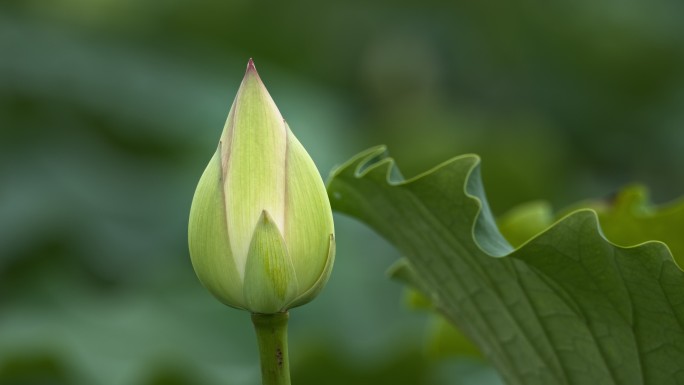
point(375, 158)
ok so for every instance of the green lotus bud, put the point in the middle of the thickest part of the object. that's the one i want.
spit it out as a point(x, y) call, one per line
point(261, 232)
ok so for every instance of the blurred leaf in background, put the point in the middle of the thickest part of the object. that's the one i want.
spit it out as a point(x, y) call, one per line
point(108, 110)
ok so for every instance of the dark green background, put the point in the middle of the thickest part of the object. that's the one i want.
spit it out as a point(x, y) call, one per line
point(110, 109)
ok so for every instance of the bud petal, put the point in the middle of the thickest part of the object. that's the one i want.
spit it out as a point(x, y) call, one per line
point(270, 280)
point(306, 200)
point(208, 238)
point(253, 163)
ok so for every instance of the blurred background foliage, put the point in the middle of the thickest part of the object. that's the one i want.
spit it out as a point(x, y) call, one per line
point(109, 111)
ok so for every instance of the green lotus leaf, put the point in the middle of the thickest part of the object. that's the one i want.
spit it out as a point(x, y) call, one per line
point(565, 307)
point(629, 218)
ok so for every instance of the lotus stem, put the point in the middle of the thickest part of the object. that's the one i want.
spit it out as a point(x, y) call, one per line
point(271, 331)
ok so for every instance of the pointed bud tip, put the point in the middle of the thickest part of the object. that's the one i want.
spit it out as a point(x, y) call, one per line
point(250, 65)
point(251, 71)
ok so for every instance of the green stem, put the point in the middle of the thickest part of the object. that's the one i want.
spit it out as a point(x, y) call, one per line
point(271, 331)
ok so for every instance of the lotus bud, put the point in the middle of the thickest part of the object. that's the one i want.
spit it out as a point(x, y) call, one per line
point(261, 233)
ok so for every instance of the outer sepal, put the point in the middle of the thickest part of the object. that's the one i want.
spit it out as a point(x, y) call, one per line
point(316, 288)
